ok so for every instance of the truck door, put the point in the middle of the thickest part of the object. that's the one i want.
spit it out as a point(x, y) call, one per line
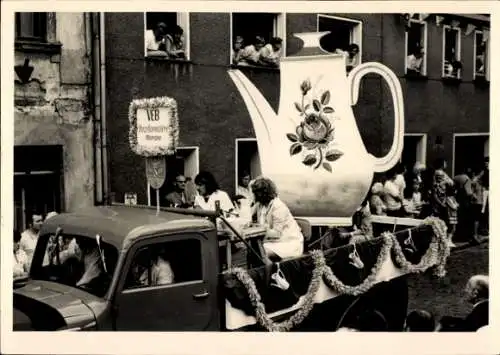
point(169, 283)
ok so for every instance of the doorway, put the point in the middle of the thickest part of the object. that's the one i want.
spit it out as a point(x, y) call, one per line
point(469, 150)
point(414, 150)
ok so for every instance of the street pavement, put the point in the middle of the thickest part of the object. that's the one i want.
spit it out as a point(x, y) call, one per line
point(445, 296)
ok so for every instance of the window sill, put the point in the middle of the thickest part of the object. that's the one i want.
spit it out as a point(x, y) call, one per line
point(38, 47)
point(416, 76)
point(254, 67)
point(451, 80)
point(166, 59)
point(481, 81)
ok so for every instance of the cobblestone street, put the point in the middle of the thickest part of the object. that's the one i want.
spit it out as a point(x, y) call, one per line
point(445, 296)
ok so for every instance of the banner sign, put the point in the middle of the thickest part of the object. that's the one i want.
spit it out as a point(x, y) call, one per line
point(154, 126)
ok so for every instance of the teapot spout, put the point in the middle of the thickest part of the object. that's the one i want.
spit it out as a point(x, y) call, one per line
point(261, 113)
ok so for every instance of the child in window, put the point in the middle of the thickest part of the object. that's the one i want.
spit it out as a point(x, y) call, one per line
point(270, 54)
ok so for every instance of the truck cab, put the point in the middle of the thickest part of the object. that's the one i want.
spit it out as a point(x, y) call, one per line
point(127, 241)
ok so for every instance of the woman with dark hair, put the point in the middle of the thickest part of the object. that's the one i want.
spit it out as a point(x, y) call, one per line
point(174, 43)
point(209, 193)
point(21, 264)
point(284, 237)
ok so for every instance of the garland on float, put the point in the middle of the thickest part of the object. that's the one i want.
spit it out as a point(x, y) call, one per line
point(306, 307)
point(338, 286)
point(171, 127)
point(436, 256)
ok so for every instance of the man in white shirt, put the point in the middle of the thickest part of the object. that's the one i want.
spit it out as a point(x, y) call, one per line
point(29, 237)
point(155, 39)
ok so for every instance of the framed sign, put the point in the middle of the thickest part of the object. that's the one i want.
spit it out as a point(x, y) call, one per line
point(154, 126)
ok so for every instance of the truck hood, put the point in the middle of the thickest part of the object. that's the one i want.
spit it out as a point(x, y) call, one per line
point(49, 306)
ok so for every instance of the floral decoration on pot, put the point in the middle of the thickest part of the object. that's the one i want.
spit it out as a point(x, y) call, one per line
point(314, 136)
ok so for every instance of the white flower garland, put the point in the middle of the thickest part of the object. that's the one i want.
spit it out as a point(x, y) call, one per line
point(172, 126)
point(297, 318)
point(338, 286)
point(436, 255)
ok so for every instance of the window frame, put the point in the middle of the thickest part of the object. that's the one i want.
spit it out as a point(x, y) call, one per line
point(183, 20)
point(48, 45)
point(279, 30)
point(194, 150)
point(156, 240)
point(424, 23)
point(458, 50)
point(486, 74)
point(423, 150)
point(358, 27)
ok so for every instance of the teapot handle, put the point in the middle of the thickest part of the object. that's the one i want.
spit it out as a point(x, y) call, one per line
point(392, 157)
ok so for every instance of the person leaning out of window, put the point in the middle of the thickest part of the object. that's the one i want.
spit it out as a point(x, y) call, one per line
point(414, 62)
point(251, 53)
point(174, 43)
point(351, 55)
point(270, 54)
point(155, 40)
point(284, 237)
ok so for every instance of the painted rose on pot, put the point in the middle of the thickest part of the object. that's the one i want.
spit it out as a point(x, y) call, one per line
point(315, 134)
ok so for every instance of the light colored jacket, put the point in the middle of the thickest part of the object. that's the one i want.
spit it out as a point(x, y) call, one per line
point(284, 236)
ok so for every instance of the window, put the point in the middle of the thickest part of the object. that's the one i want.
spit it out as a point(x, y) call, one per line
point(31, 26)
point(452, 66)
point(247, 159)
point(416, 47)
point(167, 35)
point(186, 161)
point(172, 262)
point(481, 55)
point(36, 166)
point(345, 36)
point(257, 39)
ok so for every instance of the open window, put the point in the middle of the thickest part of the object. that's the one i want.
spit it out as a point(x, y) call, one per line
point(166, 35)
point(186, 161)
point(257, 39)
point(452, 66)
point(481, 55)
point(416, 47)
point(247, 159)
point(345, 37)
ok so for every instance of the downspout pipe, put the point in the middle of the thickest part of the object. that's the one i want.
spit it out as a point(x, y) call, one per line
point(96, 100)
point(104, 140)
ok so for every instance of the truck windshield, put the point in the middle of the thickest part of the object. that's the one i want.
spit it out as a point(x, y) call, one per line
point(77, 261)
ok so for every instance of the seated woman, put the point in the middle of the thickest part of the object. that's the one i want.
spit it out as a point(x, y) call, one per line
point(209, 193)
point(283, 238)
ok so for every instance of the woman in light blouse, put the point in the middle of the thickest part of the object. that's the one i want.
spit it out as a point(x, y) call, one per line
point(283, 238)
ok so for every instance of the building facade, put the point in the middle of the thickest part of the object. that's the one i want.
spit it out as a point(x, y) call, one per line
point(446, 104)
point(53, 129)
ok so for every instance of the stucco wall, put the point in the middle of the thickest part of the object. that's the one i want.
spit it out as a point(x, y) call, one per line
point(53, 108)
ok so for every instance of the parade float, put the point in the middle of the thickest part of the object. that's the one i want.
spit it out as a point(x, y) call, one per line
point(313, 151)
